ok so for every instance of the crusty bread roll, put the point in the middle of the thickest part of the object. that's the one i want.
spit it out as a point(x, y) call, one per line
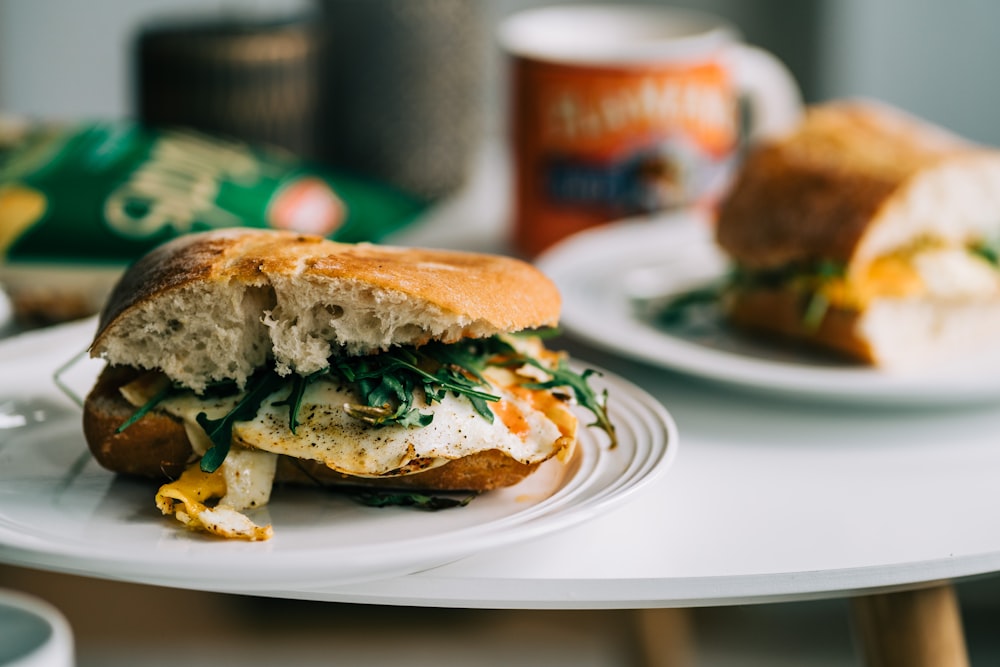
point(193, 307)
point(227, 308)
point(875, 221)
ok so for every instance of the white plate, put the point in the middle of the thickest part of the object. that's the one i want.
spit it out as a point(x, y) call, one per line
point(59, 510)
point(601, 272)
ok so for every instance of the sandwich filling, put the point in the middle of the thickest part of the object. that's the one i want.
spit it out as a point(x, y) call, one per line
point(925, 270)
point(400, 412)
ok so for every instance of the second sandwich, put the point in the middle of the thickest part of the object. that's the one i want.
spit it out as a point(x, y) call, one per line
point(870, 233)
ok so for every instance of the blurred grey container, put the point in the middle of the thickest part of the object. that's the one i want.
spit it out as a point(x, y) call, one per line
point(402, 86)
point(255, 80)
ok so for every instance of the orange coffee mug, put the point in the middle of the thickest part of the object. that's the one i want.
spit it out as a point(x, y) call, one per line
point(619, 111)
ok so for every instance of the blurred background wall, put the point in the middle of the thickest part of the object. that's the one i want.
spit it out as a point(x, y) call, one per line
point(69, 59)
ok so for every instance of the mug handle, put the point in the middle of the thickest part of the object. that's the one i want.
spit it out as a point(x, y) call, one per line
point(770, 89)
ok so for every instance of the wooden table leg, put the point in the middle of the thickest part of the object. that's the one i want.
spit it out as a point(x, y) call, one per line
point(918, 628)
point(666, 637)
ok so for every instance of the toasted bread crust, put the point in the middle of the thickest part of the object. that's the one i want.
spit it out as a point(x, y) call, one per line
point(156, 446)
point(815, 193)
point(471, 285)
point(483, 471)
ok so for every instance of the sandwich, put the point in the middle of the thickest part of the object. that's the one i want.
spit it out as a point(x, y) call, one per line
point(869, 233)
point(238, 358)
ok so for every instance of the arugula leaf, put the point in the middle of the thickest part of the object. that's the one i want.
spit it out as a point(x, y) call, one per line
point(387, 394)
point(564, 376)
point(380, 416)
point(449, 377)
point(464, 363)
point(808, 274)
point(815, 311)
point(473, 356)
point(476, 355)
point(989, 251)
point(220, 431)
point(376, 498)
point(294, 400)
point(677, 309)
point(405, 499)
point(386, 383)
point(156, 399)
point(221, 388)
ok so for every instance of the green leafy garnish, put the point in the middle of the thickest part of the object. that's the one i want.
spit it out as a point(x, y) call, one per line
point(812, 282)
point(156, 399)
point(294, 400)
point(815, 311)
point(405, 499)
point(808, 280)
point(388, 498)
point(677, 309)
point(827, 270)
point(990, 251)
point(387, 383)
point(469, 359)
point(564, 376)
point(220, 431)
point(476, 355)
point(805, 275)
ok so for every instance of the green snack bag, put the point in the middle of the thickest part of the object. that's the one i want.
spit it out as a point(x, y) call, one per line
point(78, 203)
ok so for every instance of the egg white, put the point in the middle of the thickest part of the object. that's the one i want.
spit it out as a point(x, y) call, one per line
point(329, 434)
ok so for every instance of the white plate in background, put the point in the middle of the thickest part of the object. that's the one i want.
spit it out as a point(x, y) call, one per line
point(601, 271)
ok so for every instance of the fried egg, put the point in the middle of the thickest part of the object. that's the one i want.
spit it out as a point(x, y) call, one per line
point(529, 425)
point(328, 432)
